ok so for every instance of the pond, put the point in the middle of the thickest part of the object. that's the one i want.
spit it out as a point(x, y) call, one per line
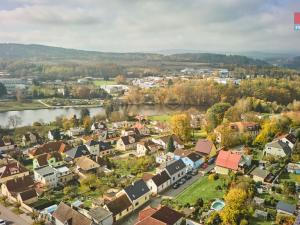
point(48, 115)
point(217, 205)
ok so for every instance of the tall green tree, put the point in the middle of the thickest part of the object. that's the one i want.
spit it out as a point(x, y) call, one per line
point(170, 145)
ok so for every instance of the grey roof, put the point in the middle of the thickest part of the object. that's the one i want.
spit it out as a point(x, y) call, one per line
point(280, 145)
point(286, 207)
point(45, 171)
point(104, 145)
point(161, 178)
point(136, 190)
point(260, 173)
point(78, 151)
point(92, 143)
point(99, 214)
point(175, 167)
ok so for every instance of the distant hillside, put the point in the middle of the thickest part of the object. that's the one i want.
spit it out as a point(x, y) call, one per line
point(41, 52)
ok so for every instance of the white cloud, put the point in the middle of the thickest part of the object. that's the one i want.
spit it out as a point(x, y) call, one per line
point(141, 25)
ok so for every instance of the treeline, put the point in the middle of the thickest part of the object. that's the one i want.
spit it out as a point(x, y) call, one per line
point(208, 92)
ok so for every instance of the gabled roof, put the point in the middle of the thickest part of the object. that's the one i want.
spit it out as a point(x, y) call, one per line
point(148, 211)
point(11, 168)
point(165, 139)
point(228, 159)
point(286, 207)
point(19, 185)
point(66, 215)
point(175, 167)
point(204, 146)
point(119, 204)
point(182, 152)
point(280, 145)
point(126, 139)
point(92, 143)
point(43, 158)
point(77, 152)
point(260, 173)
point(290, 137)
point(136, 190)
point(104, 146)
point(99, 213)
point(53, 146)
point(28, 194)
point(86, 163)
point(167, 215)
point(194, 157)
point(161, 178)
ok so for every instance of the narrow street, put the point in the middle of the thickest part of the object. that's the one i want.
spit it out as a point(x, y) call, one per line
point(13, 219)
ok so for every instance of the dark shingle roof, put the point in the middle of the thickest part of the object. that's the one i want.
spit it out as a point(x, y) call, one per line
point(77, 152)
point(175, 167)
point(126, 139)
point(28, 194)
point(167, 215)
point(20, 184)
point(194, 156)
point(136, 190)
point(161, 178)
point(283, 206)
point(119, 204)
point(104, 146)
point(280, 145)
point(92, 143)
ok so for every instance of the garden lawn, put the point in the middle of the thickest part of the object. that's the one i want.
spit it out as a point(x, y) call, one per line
point(202, 188)
point(17, 106)
point(104, 82)
point(255, 221)
point(161, 118)
point(290, 177)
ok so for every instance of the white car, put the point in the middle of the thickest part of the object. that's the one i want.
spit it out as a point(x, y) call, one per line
point(2, 222)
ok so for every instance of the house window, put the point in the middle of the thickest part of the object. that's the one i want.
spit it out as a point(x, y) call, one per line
point(136, 204)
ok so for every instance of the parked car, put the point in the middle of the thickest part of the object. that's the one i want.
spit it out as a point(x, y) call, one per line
point(204, 165)
point(175, 186)
point(2, 222)
point(188, 176)
point(194, 172)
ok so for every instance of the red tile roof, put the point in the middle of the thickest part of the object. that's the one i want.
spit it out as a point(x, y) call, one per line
point(148, 211)
point(204, 146)
point(228, 159)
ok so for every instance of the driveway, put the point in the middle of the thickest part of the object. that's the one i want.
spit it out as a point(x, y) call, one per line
point(13, 219)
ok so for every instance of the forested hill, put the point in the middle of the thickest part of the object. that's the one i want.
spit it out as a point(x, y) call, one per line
point(41, 52)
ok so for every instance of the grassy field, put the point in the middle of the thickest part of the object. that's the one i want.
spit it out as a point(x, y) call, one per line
point(161, 118)
point(203, 188)
point(290, 177)
point(104, 82)
point(255, 221)
point(200, 134)
point(14, 105)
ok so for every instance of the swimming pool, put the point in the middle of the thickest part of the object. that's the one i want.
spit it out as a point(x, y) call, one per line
point(217, 205)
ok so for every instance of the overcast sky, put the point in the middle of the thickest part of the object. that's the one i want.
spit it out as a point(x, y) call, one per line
point(153, 25)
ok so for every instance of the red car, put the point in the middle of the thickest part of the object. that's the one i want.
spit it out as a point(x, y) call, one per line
point(204, 165)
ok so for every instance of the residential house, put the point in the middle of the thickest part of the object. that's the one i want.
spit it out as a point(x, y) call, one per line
point(47, 176)
point(260, 214)
point(20, 189)
point(206, 148)
point(52, 158)
point(76, 131)
point(290, 139)
point(196, 120)
point(141, 129)
point(101, 216)
point(54, 134)
point(138, 193)
point(161, 128)
point(98, 126)
point(93, 147)
point(76, 152)
point(111, 136)
point(53, 146)
point(11, 171)
point(193, 161)
point(105, 148)
point(181, 153)
point(176, 170)
point(85, 166)
point(164, 158)
point(30, 138)
point(65, 215)
point(64, 174)
point(163, 141)
point(147, 147)
point(277, 148)
point(126, 143)
point(285, 208)
point(227, 161)
point(160, 216)
point(159, 182)
point(7, 145)
point(259, 175)
point(119, 207)
point(293, 168)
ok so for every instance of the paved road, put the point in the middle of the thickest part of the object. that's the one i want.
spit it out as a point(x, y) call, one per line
point(13, 219)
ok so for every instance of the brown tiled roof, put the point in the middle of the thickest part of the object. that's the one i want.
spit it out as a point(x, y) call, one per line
point(25, 195)
point(150, 221)
point(182, 152)
point(147, 176)
point(165, 139)
point(19, 184)
point(119, 204)
point(43, 158)
point(204, 146)
point(148, 211)
point(167, 215)
point(86, 163)
point(11, 169)
point(66, 215)
point(53, 146)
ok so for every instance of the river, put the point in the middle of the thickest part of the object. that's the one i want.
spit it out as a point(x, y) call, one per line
point(48, 115)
